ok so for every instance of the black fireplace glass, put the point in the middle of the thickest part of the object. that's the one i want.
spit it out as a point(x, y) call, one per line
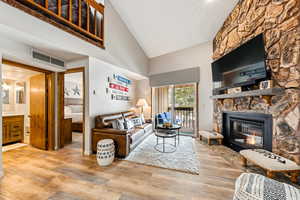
point(247, 132)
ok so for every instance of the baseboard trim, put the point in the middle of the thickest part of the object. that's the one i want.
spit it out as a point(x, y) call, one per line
point(87, 153)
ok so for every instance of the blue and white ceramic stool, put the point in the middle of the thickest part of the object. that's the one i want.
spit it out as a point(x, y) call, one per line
point(105, 152)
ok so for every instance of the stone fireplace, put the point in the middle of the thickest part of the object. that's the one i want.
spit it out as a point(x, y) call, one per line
point(247, 130)
point(279, 21)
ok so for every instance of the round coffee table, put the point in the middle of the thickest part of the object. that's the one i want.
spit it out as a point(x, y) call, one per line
point(174, 127)
point(161, 147)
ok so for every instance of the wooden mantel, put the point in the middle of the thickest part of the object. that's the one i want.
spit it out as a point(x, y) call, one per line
point(265, 92)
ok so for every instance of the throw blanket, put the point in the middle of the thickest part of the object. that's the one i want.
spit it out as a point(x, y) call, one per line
point(257, 187)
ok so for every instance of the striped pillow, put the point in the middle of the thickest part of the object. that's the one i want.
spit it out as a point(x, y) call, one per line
point(257, 187)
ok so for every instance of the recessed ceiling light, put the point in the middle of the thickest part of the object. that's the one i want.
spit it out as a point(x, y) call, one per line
point(209, 1)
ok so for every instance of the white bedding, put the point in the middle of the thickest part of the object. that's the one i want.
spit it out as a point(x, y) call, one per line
point(76, 117)
point(74, 112)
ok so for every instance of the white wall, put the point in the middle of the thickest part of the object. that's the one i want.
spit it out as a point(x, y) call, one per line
point(20, 52)
point(99, 102)
point(197, 56)
point(121, 44)
point(143, 90)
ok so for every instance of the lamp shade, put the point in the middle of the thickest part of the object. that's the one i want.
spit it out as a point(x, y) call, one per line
point(142, 103)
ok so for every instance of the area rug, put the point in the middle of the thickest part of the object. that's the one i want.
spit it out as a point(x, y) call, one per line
point(184, 159)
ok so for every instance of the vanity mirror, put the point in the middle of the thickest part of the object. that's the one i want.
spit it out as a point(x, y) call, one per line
point(20, 88)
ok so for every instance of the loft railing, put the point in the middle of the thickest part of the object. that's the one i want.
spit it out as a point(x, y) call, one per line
point(83, 16)
point(186, 115)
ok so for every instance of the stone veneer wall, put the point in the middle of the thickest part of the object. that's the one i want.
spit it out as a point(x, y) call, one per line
point(279, 21)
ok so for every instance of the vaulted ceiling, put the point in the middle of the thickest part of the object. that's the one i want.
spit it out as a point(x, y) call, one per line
point(164, 26)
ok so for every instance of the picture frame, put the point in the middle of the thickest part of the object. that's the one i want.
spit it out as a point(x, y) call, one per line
point(266, 84)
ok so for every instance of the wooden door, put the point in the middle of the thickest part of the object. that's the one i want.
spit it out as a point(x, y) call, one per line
point(38, 128)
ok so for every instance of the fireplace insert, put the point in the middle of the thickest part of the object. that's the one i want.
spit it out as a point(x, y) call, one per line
point(247, 130)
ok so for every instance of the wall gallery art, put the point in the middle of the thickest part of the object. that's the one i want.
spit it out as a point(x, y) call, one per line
point(118, 88)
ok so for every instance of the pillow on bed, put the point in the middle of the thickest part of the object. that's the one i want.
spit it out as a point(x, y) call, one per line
point(76, 108)
point(68, 110)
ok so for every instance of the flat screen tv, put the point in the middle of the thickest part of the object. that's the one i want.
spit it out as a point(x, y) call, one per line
point(241, 67)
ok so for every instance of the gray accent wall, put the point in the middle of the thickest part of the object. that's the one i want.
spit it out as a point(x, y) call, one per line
point(190, 75)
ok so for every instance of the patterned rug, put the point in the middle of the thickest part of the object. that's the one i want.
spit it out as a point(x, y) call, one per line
point(184, 159)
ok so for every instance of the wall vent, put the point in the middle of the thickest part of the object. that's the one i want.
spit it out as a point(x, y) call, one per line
point(46, 58)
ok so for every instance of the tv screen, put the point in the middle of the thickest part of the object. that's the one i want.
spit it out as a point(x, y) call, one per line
point(243, 66)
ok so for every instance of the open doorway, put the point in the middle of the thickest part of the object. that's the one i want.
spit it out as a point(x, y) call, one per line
point(26, 111)
point(72, 107)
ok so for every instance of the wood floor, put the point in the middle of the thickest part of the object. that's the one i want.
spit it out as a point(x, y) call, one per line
point(66, 175)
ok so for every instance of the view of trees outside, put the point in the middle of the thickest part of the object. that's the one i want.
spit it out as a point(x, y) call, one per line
point(185, 96)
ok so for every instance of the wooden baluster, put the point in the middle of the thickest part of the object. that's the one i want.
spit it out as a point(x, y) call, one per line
point(70, 10)
point(95, 22)
point(102, 28)
point(46, 4)
point(87, 17)
point(79, 13)
point(59, 8)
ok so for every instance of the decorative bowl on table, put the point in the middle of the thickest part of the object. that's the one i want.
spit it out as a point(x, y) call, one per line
point(167, 125)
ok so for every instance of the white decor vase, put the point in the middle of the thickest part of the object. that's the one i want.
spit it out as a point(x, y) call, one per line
point(105, 152)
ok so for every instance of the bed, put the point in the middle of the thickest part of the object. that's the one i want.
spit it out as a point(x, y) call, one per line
point(74, 110)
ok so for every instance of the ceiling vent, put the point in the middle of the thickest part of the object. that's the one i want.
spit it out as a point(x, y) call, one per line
point(47, 59)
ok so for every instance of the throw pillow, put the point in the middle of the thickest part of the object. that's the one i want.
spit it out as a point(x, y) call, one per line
point(118, 124)
point(128, 124)
point(137, 121)
point(114, 124)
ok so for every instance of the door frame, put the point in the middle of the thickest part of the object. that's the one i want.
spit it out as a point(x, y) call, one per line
point(50, 99)
point(61, 103)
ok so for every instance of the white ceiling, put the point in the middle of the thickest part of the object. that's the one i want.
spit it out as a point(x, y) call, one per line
point(21, 37)
point(164, 26)
point(16, 73)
